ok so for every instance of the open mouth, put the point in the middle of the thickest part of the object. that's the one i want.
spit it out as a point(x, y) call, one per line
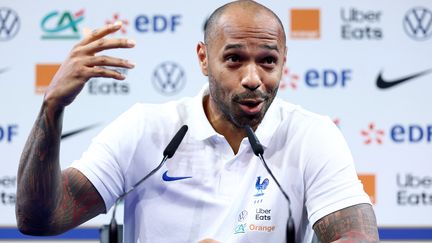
point(251, 106)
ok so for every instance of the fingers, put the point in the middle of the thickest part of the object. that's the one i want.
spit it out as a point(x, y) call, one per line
point(107, 61)
point(100, 33)
point(98, 71)
point(98, 66)
point(95, 41)
point(105, 44)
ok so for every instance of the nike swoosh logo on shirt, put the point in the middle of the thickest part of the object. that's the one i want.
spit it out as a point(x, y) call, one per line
point(385, 84)
point(166, 177)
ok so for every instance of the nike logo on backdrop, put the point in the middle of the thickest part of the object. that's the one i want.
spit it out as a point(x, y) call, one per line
point(75, 132)
point(385, 84)
point(166, 177)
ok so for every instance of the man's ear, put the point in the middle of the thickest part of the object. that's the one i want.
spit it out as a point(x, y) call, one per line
point(202, 57)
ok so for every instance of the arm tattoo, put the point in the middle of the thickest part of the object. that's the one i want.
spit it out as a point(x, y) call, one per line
point(356, 223)
point(39, 173)
point(45, 197)
point(80, 202)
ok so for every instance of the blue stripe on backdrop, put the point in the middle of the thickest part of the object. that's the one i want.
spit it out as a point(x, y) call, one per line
point(405, 233)
point(93, 234)
point(75, 234)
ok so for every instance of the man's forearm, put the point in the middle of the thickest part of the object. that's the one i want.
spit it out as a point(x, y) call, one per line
point(39, 189)
point(353, 224)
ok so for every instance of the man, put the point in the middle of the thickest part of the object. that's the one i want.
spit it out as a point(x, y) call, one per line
point(214, 188)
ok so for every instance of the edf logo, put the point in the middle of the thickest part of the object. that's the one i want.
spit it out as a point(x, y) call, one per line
point(398, 133)
point(8, 132)
point(411, 133)
point(328, 78)
point(157, 23)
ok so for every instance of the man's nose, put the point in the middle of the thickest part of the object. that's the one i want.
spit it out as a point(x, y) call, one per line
point(251, 79)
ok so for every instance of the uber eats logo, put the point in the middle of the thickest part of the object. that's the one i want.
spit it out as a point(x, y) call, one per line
point(414, 189)
point(103, 86)
point(7, 190)
point(361, 24)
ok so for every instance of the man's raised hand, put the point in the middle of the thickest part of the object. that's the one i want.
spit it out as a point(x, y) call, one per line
point(83, 63)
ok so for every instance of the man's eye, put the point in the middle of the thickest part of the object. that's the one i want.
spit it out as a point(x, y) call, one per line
point(269, 60)
point(233, 58)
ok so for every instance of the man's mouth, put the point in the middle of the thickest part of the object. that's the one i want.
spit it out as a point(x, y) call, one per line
point(251, 106)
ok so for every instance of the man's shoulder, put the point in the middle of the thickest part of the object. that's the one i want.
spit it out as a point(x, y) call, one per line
point(294, 112)
point(155, 110)
point(171, 104)
point(162, 117)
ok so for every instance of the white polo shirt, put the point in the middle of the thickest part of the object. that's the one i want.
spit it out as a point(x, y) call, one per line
point(207, 191)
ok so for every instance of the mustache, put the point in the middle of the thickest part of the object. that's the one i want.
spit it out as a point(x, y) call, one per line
point(256, 94)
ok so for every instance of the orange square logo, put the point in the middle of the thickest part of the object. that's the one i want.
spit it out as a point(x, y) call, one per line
point(44, 75)
point(368, 181)
point(305, 24)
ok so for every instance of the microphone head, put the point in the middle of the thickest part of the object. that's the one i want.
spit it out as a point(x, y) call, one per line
point(253, 140)
point(290, 230)
point(113, 231)
point(175, 142)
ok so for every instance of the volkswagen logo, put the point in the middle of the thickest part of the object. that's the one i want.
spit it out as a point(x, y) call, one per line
point(9, 24)
point(418, 23)
point(169, 78)
point(242, 216)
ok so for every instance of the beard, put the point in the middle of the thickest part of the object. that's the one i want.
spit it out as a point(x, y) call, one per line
point(229, 105)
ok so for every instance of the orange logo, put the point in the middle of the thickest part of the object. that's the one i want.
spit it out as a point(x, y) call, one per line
point(44, 74)
point(368, 181)
point(305, 23)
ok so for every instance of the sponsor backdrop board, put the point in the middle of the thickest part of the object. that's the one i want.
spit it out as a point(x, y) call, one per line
point(365, 64)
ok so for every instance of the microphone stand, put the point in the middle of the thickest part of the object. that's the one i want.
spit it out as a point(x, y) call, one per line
point(167, 153)
point(113, 227)
point(258, 150)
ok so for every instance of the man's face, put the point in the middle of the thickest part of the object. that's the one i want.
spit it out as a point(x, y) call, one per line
point(245, 61)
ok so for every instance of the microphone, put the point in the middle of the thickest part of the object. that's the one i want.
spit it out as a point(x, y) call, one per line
point(167, 153)
point(175, 142)
point(258, 150)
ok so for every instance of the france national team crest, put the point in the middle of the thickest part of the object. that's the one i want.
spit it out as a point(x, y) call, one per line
point(261, 186)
